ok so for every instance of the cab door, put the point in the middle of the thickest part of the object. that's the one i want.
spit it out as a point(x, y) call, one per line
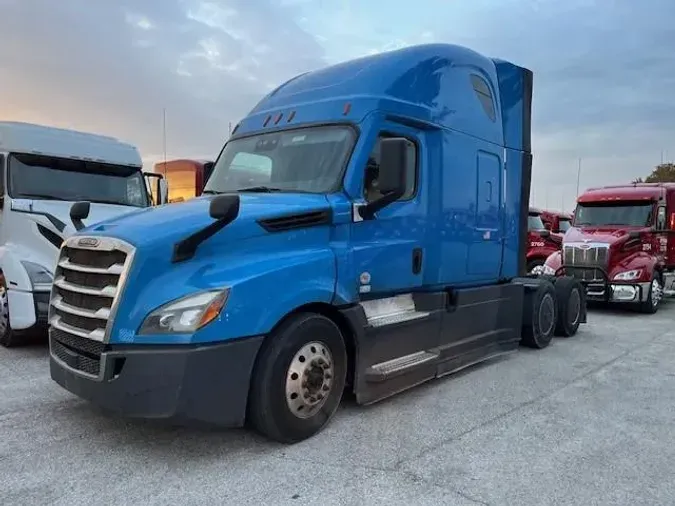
point(388, 251)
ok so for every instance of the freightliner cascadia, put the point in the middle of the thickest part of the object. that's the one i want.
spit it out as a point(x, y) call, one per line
point(386, 247)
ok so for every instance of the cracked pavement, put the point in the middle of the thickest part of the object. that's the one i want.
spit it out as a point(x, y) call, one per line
point(587, 421)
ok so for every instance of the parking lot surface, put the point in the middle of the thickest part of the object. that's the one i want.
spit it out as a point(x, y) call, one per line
point(589, 420)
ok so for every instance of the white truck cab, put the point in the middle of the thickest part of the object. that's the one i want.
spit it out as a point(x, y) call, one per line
point(43, 172)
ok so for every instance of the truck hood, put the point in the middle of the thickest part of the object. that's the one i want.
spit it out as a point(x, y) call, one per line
point(172, 222)
point(60, 210)
point(606, 235)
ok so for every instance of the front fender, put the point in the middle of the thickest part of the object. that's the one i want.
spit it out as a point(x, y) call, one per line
point(554, 260)
point(13, 270)
point(638, 260)
point(264, 287)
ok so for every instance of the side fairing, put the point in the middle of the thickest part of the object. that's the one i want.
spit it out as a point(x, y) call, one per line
point(515, 91)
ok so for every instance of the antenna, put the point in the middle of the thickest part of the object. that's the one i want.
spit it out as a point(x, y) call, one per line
point(164, 136)
point(578, 176)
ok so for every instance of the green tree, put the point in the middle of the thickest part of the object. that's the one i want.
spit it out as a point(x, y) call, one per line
point(663, 173)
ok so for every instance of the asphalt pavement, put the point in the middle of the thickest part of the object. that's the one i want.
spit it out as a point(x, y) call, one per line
point(589, 420)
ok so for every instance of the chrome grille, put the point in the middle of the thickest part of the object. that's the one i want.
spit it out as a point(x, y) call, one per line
point(586, 255)
point(88, 280)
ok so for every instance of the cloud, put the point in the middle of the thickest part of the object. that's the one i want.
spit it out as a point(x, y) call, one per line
point(604, 70)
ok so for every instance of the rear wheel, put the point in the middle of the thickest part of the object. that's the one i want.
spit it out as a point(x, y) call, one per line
point(298, 379)
point(540, 315)
point(571, 297)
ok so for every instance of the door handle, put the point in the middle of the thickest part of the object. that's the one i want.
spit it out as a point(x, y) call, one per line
point(417, 260)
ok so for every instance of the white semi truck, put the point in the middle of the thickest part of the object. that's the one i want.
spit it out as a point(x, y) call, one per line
point(44, 172)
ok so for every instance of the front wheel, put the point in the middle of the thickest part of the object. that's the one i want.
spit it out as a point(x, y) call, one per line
point(654, 296)
point(536, 266)
point(8, 337)
point(299, 378)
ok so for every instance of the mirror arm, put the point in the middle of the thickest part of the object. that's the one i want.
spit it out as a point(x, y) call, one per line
point(368, 211)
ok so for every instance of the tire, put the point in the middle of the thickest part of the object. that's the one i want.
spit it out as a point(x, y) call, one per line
point(537, 262)
point(571, 298)
point(654, 297)
point(540, 314)
point(279, 398)
point(8, 337)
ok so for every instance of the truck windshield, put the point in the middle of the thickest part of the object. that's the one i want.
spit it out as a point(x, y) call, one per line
point(534, 222)
point(43, 177)
point(627, 214)
point(564, 225)
point(309, 160)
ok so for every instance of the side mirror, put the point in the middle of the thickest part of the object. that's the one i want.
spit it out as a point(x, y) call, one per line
point(224, 207)
point(547, 226)
point(392, 175)
point(79, 211)
point(162, 191)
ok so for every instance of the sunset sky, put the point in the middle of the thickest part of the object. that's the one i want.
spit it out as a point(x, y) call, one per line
point(604, 70)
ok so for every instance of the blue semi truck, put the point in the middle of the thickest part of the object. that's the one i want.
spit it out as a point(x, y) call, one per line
point(381, 245)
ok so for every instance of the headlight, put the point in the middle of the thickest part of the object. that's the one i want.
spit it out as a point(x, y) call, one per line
point(628, 275)
point(186, 314)
point(547, 270)
point(39, 276)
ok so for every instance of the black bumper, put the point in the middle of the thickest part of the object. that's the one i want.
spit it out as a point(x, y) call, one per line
point(189, 385)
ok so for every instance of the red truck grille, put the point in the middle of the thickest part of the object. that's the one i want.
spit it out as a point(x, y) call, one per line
point(586, 256)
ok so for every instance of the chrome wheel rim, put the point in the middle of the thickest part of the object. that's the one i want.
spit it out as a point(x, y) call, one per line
point(309, 379)
point(657, 293)
point(537, 270)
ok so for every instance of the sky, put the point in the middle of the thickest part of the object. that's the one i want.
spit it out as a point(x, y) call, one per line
point(604, 70)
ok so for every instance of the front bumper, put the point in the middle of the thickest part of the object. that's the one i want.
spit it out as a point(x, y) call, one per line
point(618, 292)
point(205, 384)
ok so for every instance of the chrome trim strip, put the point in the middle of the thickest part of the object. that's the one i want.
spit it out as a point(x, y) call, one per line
point(108, 291)
point(94, 335)
point(101, 314)
point(113, 269)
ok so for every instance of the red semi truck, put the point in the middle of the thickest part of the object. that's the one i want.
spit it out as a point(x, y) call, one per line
point(541, 241)
point(622, 244)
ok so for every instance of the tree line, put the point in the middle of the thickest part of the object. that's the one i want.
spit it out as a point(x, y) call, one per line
point(662, 173)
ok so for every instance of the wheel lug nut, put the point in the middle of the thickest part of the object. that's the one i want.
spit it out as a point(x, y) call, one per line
point(326, 388)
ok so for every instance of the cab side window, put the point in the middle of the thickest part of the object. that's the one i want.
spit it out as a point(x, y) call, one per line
point(370, 185)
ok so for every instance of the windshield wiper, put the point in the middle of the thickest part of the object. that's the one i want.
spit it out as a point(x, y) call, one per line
point(260, 189)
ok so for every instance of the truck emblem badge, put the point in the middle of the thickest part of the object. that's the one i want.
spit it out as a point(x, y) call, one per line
point(587, 240)
point(584, 246)
point(88, 242)
point(364, 278)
